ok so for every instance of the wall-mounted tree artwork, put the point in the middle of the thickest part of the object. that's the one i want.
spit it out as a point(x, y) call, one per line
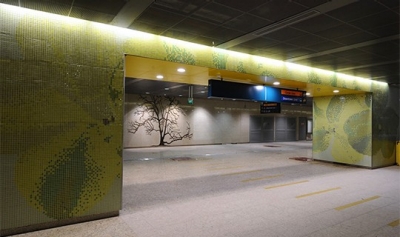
point(160, 114)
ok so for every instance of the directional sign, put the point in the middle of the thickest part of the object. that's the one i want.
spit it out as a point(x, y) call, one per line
point(268, 108)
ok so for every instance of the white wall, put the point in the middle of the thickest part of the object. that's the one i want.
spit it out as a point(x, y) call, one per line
point(212, 121)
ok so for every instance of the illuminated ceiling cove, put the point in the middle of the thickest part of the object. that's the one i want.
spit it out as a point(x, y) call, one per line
point(353, 37)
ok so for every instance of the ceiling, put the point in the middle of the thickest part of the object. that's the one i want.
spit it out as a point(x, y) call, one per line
point(359, 38)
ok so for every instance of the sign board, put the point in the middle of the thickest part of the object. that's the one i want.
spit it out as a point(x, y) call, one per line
point(270, 107)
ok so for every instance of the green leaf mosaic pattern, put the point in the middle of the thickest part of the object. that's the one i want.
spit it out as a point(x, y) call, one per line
point(240, 68)
point(342, 129)
point(178, 54)
point(59, 201)
point(358, 131)
point(314, 78)
point(334, 109)
point(266, 73)
point(323, 138)
point(63, 120)
point(62, 109)
point(219, 59)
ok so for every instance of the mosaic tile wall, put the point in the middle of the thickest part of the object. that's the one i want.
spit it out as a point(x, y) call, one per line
point(61, 121)
point(61, 100)
point(342, 129)
point(357, 129)
point(385, 126)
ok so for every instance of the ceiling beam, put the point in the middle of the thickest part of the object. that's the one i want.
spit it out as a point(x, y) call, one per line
point(344, 48)
point(321, 9)
point(367, 65)
point(131, 10)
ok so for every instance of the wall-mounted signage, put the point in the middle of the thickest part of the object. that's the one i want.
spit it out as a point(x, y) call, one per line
point(241, 91)
point(268, 108)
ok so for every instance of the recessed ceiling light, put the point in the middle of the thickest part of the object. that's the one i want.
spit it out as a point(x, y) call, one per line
point(276, 83)
point(167, 89)
point(336, 91)
point(181, 70)
point(160, 76)
point(147, 93)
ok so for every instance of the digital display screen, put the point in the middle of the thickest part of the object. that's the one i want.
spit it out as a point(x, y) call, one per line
point(242, 91)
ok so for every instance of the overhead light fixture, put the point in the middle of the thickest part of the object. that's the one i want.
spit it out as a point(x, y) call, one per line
point(308, 93)
point(336, 91)
point(160, 76)
point(167, 89)
point(276, 83)
point(181, 70)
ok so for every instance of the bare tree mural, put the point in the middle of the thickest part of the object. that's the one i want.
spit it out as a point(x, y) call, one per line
point(160, 114)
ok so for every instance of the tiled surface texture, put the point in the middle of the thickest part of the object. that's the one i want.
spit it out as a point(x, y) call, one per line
point(61, 95)
point(247, 190)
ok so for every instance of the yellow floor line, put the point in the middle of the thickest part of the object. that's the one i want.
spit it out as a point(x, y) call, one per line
point(261, 178)
point(394, 223)
point(319, 192)
point(243, 172)
point(282, 185)
point(225, 168)
point(356, 203)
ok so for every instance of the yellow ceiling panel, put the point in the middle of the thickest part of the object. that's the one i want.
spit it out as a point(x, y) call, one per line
point(146, 68)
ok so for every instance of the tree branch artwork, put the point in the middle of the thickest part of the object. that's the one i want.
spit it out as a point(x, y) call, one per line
point(160, 114)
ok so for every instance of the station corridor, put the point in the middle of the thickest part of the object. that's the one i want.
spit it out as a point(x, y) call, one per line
point(246, 190)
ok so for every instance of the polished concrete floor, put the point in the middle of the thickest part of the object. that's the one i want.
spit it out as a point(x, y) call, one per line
point(247, 190)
